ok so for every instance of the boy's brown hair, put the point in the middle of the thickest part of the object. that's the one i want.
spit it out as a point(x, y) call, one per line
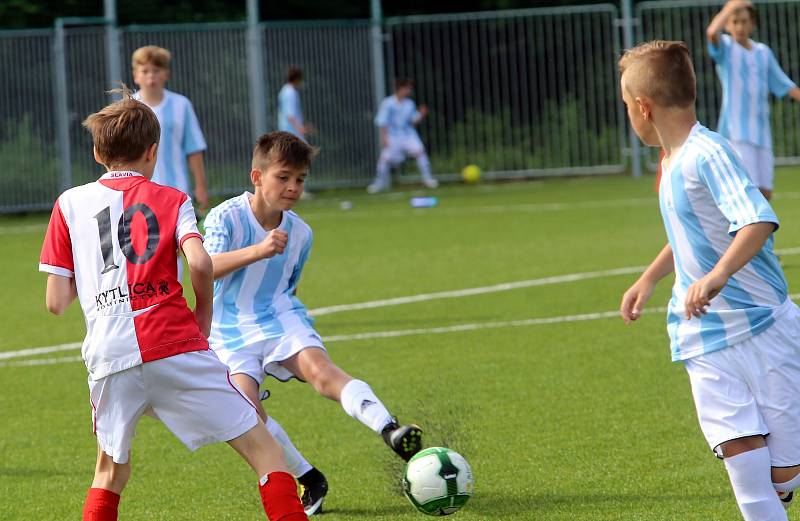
point(151, 54)
point(293, 74)
point(751, 10)
point(399, 83)
point(123, 130)
point(282, 148)
point(662, 71)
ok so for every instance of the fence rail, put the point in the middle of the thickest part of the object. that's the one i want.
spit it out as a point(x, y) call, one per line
point(530, 92)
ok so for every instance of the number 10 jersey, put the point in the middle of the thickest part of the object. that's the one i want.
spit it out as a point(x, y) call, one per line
point(118, 237)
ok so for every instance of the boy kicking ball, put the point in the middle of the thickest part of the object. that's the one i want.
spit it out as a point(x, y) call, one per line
point(260, 327)
point(113, 244)
point(730, 320)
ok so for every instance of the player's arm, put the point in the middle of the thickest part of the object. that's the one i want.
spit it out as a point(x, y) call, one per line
point(794, 93)
point(746, 244)
point(227, 262)
point(717, 24)
point(201, 271)
point(60, 293)
point(421, 113)
point(198, 170)
point(295, 123)
point(636, 297)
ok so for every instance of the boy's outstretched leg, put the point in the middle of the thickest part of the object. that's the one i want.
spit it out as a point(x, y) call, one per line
point(102, 500)
point(749, 468)
point(786, 480)
point(277, 487)
point(356, 398)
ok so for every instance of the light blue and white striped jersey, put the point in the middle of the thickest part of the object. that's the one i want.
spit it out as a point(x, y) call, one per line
point(397, 116)
point(705, 197)
point(747, 77)
point(256, 302)
point(289, 105)
point(180, 137)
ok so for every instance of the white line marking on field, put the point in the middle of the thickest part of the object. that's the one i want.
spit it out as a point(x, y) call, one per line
point(40, 350)
point(22, 229)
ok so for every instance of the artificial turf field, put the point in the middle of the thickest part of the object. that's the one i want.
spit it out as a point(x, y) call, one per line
point(575, 418)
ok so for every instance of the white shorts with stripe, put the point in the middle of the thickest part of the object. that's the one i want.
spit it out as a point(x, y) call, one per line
point(753, 388)
point(759, 163)
point(191, 393)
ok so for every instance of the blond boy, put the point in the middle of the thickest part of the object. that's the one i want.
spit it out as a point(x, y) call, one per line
point(730, 320)
point(113, 244)
point(182, 143)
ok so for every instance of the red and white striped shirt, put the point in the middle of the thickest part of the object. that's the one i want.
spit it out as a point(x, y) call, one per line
point(119, 238)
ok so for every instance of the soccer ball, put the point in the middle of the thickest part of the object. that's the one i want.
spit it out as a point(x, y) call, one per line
point(438, 481)
point(471, 174)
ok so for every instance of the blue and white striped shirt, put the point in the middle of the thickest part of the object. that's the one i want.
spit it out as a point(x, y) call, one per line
point(705, 197)
point(289, 106)
point(257, 302)
point(397, 116)
point(747, 77)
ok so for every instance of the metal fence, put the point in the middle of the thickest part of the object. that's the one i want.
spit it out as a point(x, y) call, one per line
point(520, 93)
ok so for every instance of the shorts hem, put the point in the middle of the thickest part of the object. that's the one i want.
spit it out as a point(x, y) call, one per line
point(227, 435)
point(738, 437)
point(278, 362)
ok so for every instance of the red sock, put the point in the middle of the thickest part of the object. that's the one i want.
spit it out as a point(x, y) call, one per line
point(101, 505)
point(279, 497)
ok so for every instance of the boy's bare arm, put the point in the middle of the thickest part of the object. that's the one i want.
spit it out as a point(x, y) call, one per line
point(795, 93)
point(717, 24)
point(748, 241)
point(197, 167)
point(201, 271)
point(60, 293)
point(230, 261)
point(636, 297)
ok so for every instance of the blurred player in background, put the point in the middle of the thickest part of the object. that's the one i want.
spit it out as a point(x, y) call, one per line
point(182, 143)
point(730, 319)
point(113, 244)
point(748, 72)
point(397, 119)
point(290, 111)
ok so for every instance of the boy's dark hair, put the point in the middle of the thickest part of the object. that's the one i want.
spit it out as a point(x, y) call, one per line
point(751, 10)
point(399, 83)
point(282, 148)
point(293, 74)
point(123, 130)
point(662, 71)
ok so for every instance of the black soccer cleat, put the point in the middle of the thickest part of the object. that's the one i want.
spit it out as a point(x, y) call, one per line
point(405, 440)
point(315, 488)
point(786, 498)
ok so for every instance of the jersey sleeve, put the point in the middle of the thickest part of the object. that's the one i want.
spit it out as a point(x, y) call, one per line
point(193, 140)
point(56, 257)
point(187, 223)
point(720, 52)
point(778, 82)
point(734, 194)
point(218, 233)
point(301, 262)
point(382, 117)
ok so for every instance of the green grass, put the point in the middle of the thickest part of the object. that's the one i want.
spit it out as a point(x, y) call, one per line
point(583, 420)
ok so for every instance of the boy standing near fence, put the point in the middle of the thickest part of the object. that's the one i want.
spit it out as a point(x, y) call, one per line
point(182, 143)
point(748, 72)
point(113, 244)
point(730, 320)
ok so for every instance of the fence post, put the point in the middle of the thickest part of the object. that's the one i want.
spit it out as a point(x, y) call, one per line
point(255, 71)
point(628, 41)
point(61, 105)
point(112, 45)
point(378, 65)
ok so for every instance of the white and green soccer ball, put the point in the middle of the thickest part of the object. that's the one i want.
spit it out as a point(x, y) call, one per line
point(438, 481)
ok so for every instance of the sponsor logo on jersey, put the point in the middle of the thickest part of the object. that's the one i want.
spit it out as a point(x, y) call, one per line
point(134, 291)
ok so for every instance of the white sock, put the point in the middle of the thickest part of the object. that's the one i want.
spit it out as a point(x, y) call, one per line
point(295, 461)
point(424, 166)
point(751, 478)
point(360, 402)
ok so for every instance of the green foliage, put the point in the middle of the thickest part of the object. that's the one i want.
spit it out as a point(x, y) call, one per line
point(28, 167)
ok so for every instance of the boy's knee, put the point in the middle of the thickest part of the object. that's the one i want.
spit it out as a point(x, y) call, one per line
point(786, 479)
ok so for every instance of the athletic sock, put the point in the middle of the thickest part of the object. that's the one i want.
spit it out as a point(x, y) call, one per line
point(360, 402)
point(295, 462)
point(279, 497)
point(424, 166)
point(751, 478)
point(100, 505)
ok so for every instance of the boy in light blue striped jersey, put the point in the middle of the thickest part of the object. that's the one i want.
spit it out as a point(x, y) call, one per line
point(730, 320)
point(748, 72)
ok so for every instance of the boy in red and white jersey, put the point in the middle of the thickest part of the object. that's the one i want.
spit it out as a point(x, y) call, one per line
point(113, 244)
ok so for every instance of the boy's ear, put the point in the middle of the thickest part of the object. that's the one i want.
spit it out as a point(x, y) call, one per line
point(645, 107)
point(97, 156)
point(255, 177)
point(152, 152)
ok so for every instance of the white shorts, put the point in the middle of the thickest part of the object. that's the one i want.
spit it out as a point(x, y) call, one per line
point(191, 393)
point(398, 149)
point(759, 163)
point(753, 388)
point(263, 358)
